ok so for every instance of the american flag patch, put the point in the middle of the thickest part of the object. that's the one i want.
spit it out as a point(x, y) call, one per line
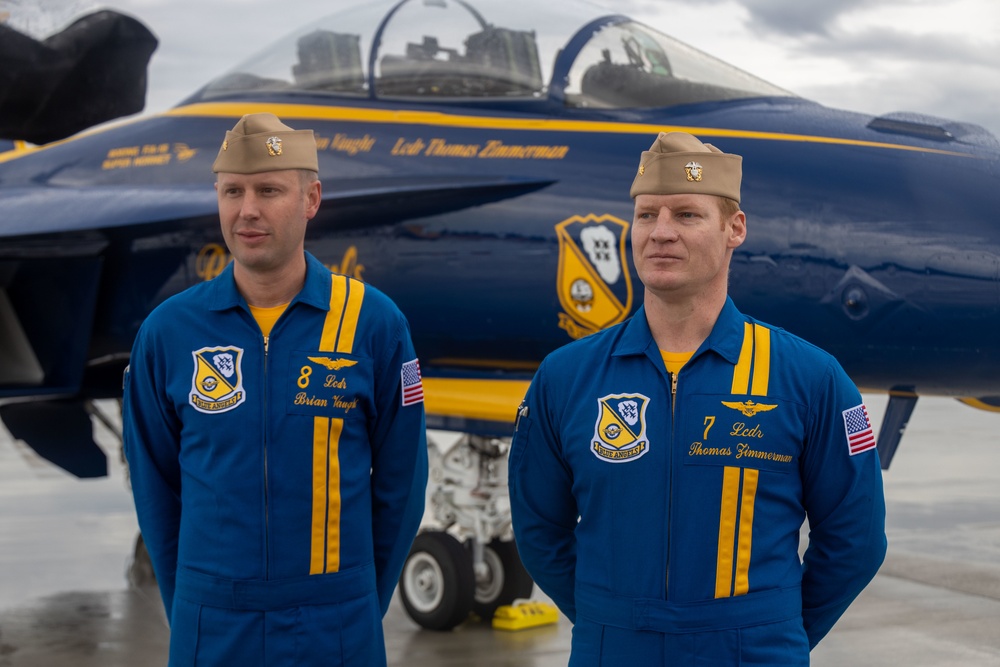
point(860, 437)
point(413, 387)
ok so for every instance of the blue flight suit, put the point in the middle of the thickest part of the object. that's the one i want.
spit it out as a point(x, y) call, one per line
point(278, 482)
point(662, 514)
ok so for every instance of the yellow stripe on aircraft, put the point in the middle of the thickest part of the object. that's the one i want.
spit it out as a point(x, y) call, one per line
point(489, 400)
point(236, 110)
point(978, 404)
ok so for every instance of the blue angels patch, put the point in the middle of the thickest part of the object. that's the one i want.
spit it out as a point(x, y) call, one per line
point(217, 384)
point(620, 431)
point(593, 281)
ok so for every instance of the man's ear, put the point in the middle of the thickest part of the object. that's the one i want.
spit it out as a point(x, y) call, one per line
point(737, 229)
point(314, 195)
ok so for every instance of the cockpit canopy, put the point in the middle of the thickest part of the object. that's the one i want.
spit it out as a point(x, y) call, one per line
point(490, 49)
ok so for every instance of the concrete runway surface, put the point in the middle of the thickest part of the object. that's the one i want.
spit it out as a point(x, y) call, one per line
point(65, 545)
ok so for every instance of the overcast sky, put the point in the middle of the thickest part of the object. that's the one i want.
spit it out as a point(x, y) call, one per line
point(936, 57)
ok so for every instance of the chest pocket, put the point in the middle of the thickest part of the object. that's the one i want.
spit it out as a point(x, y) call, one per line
point(329, 384)
point(747, 427)
point(333, 382)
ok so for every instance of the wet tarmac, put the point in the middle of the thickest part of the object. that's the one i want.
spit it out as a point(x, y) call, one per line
point(65, 545)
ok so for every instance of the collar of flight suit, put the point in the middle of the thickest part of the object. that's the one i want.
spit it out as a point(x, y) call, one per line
point(726, 337)
point(315, 291)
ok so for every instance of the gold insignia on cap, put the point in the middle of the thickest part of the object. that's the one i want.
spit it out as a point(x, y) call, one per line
point(274, 146)
point(225, 144)
point(642, 169)
point(694, 172)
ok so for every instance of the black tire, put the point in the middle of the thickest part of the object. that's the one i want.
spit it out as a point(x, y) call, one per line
point(437, 584)
point(507, 581)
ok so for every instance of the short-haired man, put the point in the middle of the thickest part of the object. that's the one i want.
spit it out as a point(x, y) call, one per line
point(661, 470)
point(277, 464)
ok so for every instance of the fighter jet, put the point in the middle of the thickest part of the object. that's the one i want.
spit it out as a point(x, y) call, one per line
point(476, 157)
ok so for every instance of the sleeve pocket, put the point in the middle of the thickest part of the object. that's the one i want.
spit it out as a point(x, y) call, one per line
point(519, 442)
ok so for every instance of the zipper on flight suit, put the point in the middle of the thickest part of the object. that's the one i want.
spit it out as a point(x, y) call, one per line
point(670, 490)
point(267, 520)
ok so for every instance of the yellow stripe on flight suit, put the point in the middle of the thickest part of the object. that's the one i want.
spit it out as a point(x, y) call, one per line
point(741, 374)
point(727, 532)
point(739, 485)
point(339, 330)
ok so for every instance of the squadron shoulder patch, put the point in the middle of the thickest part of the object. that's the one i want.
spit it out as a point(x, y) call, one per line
point(217, 383)
point(620, 430)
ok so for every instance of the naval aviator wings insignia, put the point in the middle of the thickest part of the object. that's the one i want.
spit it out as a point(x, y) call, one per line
point(749, 408)
point(333, 364)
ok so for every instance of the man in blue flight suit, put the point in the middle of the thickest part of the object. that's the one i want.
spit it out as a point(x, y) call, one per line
point(661, 470)
point(274, 430)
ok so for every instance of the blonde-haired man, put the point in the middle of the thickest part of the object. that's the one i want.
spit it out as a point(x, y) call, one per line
point(661, 470)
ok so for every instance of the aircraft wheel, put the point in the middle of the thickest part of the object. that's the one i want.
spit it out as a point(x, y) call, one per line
point(437, 584)
point(506, 579)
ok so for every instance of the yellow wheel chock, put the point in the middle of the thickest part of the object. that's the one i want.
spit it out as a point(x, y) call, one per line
point(524, 615)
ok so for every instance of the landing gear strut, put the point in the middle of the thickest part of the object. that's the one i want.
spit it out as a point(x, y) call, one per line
point(467, 562)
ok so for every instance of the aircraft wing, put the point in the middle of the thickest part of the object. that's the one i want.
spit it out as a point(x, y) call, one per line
point(53, 210)
point(58, 210)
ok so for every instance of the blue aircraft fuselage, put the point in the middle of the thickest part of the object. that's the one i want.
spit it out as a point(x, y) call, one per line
point(501, 228)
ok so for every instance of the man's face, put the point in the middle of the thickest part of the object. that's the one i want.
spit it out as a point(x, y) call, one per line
point(264, 216)
point(681, 244)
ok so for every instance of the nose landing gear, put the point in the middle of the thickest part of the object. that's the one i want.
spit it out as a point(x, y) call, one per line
point(467, 562)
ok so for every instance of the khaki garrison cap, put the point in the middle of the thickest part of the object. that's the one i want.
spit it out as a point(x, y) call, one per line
point(678, 163)
point(260, 142)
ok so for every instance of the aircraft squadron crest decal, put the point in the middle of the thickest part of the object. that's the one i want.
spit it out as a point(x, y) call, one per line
point(217, 384)
point(620, 431)
point(593, 281)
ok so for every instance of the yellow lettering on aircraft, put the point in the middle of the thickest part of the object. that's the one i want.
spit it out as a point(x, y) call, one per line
point(343, 143)
point(494, 149)
point(349, 264)
point(147, 155)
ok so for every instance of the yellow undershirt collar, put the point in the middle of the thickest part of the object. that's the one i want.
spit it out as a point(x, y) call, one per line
point(674, 361)
point(266, 317)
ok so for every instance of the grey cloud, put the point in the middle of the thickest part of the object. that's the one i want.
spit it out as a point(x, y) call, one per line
point(41, 18)
point(886, 43)
point(945, 92)
point(795, 17)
